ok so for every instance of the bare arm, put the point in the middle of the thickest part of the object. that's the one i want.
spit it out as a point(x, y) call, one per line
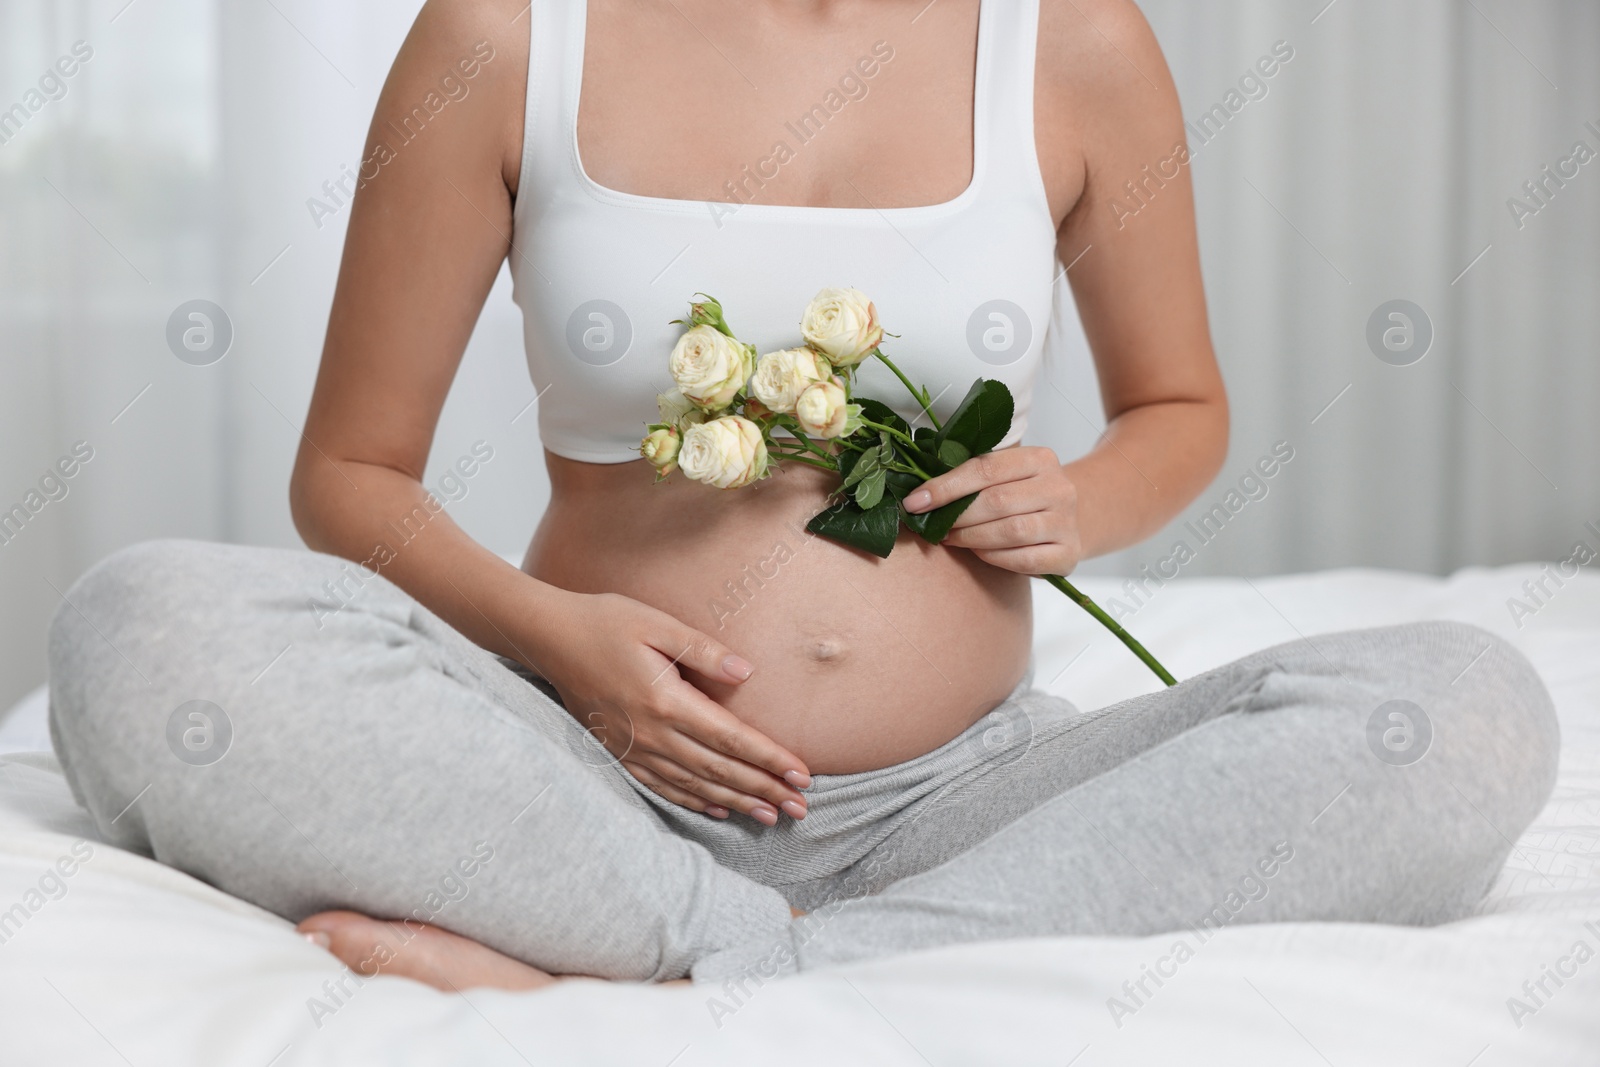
point(419, 261)
point(1138, 288)
point(428, 231)
point(1108, 110)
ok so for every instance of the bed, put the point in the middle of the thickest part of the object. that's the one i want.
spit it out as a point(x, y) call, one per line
point(126, 961)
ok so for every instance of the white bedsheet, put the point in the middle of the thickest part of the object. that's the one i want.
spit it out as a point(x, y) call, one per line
point(137, 963)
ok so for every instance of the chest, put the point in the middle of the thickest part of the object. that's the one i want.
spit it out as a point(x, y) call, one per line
point(873, 111)
point(633, 203)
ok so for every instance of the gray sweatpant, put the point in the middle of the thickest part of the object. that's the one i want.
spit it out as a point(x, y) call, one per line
point(303, 734)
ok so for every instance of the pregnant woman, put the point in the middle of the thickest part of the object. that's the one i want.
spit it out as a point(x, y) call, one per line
point(686, 738)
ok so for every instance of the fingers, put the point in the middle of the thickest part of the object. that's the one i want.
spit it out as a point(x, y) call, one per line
point(694, 751)
point(704, 655)
point(977, 474)
point(1012, 531)
point(721, 731)
point(720, 770)
point(1026, 544)
point(1008, 498)
point(682, 785)
point(698, 747)
point(681, 797)
point(1033, 559)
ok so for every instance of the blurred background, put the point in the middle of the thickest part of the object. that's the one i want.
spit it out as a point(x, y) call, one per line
point(1384, 162)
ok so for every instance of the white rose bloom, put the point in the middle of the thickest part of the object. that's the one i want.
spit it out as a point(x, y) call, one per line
point(782, 376)
point(823, 410)
point(728, 453)
point(842, 324)
point(709, 367)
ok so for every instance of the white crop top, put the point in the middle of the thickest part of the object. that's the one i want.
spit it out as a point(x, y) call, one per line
point(600, 274)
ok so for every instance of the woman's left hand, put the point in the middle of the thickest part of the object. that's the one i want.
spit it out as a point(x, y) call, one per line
point(1025, 518)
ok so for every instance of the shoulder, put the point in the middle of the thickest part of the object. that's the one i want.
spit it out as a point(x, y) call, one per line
point(1099, 50)
point(471, 55)
point(471, 28)
point(458, 21)
point(1105, 102)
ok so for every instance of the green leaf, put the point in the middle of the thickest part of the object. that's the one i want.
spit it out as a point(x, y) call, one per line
point(862, 466)
point(852, 420)
point(953, 454)
point(900, 484)
point(926, 454)
point(872, 530)
point(870, 491)
point(877, 410)
point(983, 419)
point(933, 526)
point(882, 414)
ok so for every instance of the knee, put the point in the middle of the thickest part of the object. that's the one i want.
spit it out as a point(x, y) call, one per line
point(130, 578)
point(173, 595)
point(1503, 705)
point(105, 689)
point(138, 626)
point(1485, 771)
point(1493, 737)
point(124, 591)
point(1490, 718)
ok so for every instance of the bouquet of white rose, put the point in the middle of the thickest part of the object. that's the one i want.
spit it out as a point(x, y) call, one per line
point(718, 427)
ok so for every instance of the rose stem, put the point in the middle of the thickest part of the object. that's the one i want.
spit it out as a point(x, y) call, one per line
point(1111, 624)
point(889, 430)
point(1056, 580)
point(920, 396)
point(913, 469)
point(805, 459)
point(805, 442)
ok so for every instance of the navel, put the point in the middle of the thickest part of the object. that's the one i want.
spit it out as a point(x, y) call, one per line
point(826, 649)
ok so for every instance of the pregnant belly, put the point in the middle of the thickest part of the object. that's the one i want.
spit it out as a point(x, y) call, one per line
point(860, 662)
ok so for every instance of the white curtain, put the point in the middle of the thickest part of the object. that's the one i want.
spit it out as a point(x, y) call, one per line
point(177, 160)
point(1378, 167)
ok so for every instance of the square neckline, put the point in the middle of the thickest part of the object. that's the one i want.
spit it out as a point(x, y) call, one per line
point(572, 96)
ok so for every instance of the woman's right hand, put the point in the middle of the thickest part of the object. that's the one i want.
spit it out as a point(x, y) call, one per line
point(618, 665)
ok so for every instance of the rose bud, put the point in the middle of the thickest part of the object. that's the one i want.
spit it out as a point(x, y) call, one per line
point(660, 449)
point(823, 410)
